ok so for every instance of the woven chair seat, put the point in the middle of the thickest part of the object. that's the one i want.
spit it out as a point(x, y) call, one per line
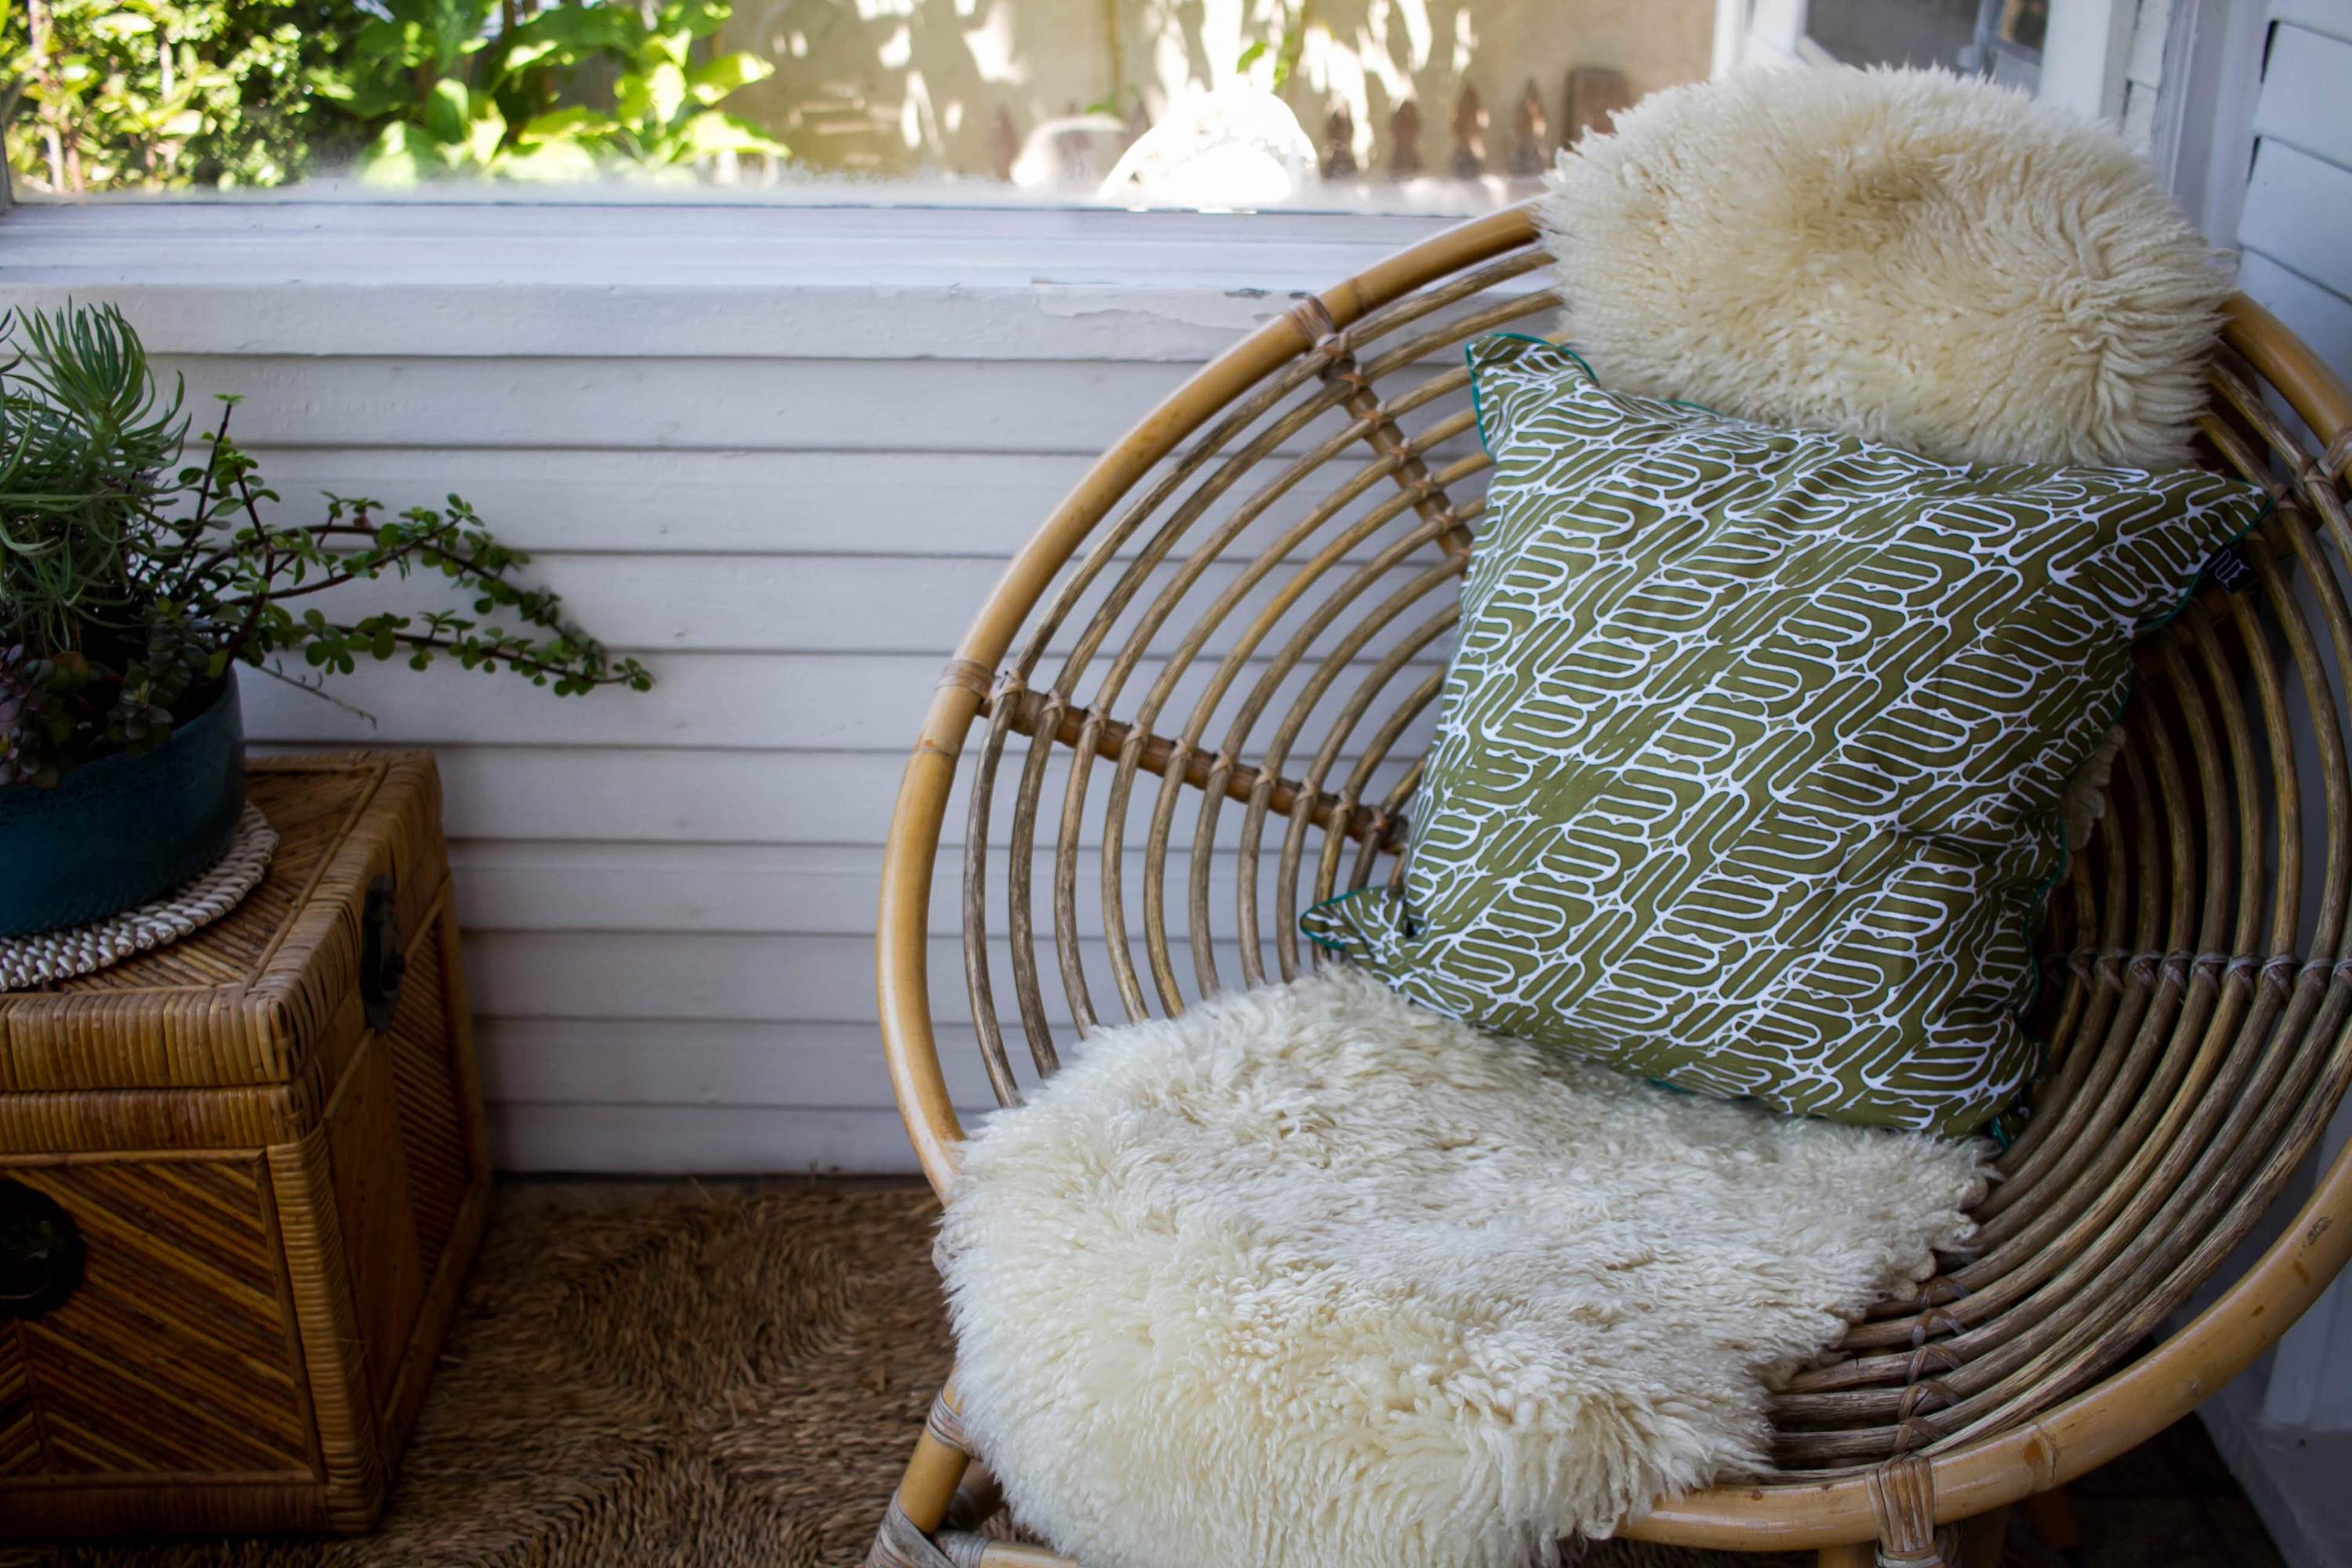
point(1196, 704)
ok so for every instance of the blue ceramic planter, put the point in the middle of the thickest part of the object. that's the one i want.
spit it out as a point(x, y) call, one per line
point(122, 831)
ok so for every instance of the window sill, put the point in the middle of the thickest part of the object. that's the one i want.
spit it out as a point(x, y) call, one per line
point(475, 279)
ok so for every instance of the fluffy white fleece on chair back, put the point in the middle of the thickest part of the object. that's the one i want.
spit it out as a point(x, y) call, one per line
point(1309, 1275)
point(1936, 263)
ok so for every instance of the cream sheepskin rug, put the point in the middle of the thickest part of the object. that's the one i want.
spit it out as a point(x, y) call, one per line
point(1939, 264)
point(1310, 1276)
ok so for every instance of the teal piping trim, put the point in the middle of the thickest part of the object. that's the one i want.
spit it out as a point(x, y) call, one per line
point(2122, 703)
point(1470, 359)
point(1477, 408)
point(1339, 948)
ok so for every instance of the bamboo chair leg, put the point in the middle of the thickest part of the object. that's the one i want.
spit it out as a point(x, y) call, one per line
point(925, 1493)
point(1860, 1555)
point(977, 1499)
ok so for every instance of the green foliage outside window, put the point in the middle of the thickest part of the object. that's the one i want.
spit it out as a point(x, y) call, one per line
point(104, 95)
point(456, 89)
point(160, 95)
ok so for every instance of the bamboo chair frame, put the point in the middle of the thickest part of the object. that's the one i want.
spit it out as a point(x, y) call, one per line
point(2202, 1033)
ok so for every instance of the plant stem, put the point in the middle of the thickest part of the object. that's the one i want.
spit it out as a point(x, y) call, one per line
point(268, 571)
point(204, 499)
point(519, 661)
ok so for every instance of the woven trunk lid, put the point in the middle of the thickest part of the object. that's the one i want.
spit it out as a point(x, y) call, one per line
point(260, 1011)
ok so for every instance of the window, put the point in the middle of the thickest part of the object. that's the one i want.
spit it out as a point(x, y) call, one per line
point(1399, 105)
point(1418, 106)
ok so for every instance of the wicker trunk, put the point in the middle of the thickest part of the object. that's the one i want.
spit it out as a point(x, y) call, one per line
point(269, 1140)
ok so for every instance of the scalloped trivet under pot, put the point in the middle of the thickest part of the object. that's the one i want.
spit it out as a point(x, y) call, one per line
point(46, 957)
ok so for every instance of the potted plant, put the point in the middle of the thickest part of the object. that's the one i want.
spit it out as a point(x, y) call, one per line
point(135, 576)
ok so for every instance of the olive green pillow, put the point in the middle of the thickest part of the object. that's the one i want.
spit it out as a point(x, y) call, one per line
point(1747, 772)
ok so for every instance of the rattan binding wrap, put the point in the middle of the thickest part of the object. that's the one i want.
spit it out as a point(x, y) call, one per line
point(1215, 663)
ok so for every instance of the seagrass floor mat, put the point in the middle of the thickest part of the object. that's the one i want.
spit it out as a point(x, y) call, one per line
point(730, 1375)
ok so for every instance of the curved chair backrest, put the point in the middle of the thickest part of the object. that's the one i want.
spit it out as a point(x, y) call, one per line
point(1196, 704)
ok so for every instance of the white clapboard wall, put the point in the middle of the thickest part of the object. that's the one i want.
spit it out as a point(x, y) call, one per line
point(779, 454)
point(2295, 232)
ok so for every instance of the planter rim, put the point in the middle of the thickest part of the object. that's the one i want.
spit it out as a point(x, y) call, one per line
point(99, 768)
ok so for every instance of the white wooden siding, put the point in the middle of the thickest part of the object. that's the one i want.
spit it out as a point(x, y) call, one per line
point(2319, 316)
point(782, 456)
point(2295, 231)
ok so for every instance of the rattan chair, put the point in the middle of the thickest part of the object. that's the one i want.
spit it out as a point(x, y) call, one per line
point(1196, 695)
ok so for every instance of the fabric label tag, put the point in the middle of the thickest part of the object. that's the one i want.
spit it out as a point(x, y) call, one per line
point(2230, 567)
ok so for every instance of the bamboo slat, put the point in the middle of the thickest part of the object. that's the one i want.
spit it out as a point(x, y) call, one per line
point(278, 1201)
point(2200, 1015)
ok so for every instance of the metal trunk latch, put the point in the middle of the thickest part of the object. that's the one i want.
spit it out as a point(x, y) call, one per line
point(41, 1252)
point(383, 960)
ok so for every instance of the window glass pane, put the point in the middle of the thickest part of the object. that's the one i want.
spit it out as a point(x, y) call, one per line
point(1435, 105)
point(1999, 38)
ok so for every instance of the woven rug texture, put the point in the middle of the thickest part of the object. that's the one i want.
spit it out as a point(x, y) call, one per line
point(731, 1375)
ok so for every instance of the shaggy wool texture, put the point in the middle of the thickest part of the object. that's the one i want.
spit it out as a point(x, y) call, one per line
point(1936, 263)
point(1309, 1276)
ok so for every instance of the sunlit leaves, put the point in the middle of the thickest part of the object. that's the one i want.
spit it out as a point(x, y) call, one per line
point(448, 110)
point(118, 25)
point(709, 83)
point(709, 133)
point(158, 94)
point(655, 94)
point(492, 101)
